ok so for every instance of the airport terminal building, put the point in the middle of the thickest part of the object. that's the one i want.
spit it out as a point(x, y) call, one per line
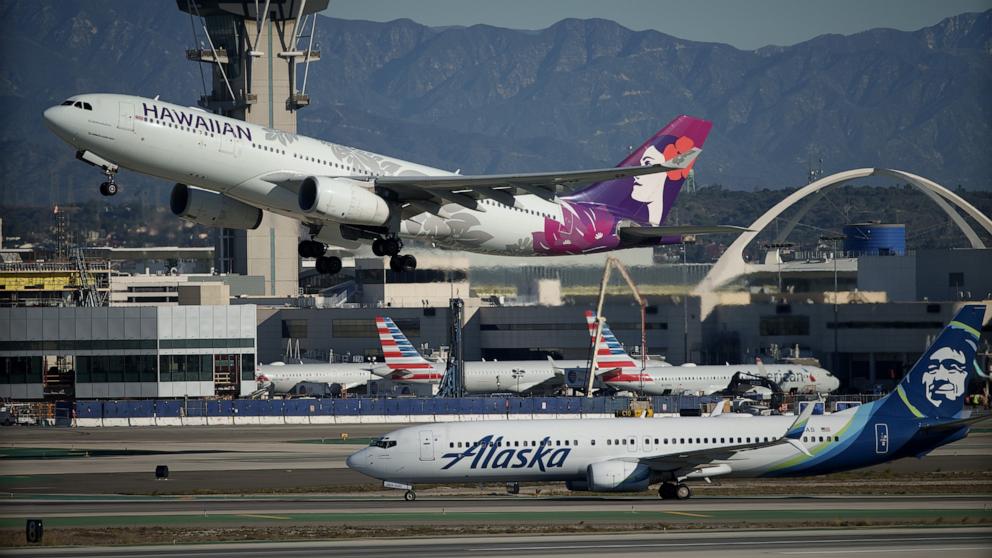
point(108, 352)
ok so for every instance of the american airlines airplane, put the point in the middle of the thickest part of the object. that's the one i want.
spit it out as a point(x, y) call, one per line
point(227, 171)
point(512, 376)
point(925, 411)
point(618, 370)
point(348, 375)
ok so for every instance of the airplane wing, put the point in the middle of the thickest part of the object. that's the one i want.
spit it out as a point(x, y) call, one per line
point(689, 460)
point(644, 233)
point(434, 191)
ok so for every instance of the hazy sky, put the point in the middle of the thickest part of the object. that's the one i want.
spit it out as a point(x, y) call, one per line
point(745, 24)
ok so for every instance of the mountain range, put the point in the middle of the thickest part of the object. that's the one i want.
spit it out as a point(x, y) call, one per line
point(484, 99)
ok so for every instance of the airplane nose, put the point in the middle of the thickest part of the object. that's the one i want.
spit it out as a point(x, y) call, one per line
point(354, 460)
point(49, 116)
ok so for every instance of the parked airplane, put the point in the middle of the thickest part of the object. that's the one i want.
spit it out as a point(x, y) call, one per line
point(227, 171)
point(925, 411)
point(348, 375)
point(512, 376)
point(699, 380)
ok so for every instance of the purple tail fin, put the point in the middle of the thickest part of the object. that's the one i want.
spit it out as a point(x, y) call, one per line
point(647, 199)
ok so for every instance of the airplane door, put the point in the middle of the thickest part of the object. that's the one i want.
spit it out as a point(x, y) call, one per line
point(426, 445)
point(227, 145)
point(125, 116)
point(632, 444)
point(881, 438)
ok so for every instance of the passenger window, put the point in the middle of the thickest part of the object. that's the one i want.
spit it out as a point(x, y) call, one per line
point(609, 442)
point(625, 441)
point(557, 442)
point(459, 444)
point(592, 442)
point(566, 442)
point(451, 444)
point(575, 442)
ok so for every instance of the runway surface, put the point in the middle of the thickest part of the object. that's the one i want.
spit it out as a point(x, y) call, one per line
point(379, 512)
point(962, 543)
point(229, 459)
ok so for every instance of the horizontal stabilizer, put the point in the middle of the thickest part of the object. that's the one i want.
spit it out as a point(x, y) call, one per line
point(639, 233)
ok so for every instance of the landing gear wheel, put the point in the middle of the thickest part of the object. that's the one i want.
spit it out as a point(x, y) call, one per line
point(391, 246)
point(311, 249)
point(377, 248)
point(682, 492)
point(402, 263)
point(328, 265)
point(108, 188)
point(410, 496)
point(666, 491)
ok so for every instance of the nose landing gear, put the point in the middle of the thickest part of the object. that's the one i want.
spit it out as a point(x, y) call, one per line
point(109, 187)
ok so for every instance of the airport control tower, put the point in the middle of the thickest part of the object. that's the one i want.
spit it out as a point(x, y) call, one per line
point(258, 53)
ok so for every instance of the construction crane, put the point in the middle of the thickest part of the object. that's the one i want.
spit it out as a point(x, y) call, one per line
point(613, 262)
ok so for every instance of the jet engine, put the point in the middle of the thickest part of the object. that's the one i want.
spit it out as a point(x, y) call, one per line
point(343, 200)
point(204, 207)
point(618, 476)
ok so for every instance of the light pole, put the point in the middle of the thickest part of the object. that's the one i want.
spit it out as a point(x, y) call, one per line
point(516, 373)
point(833, 239)
point(686, 239)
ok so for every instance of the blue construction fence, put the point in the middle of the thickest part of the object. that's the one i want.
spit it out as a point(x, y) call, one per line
point(368, 406)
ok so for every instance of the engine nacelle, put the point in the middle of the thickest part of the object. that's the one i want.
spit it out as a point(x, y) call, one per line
point(343, 200)
point(204, 207)
point(618, 476)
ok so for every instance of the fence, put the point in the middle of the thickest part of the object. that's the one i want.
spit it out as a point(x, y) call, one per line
point(176, 412)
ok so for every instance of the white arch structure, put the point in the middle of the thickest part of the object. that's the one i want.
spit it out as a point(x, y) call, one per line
point(731, 264)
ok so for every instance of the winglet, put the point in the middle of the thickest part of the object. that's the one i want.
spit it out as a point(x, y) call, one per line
point(795, 431)
point(718, 410)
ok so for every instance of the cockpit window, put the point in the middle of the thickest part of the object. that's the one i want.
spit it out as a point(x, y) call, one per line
point(66, 103)
point(382, 443)
point(87, 106)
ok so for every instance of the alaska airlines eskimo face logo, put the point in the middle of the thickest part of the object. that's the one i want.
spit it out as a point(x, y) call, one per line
point(945, 376)
point(488, 453)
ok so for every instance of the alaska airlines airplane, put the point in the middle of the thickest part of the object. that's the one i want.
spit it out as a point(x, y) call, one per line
point(617, 369)
point(348, 375)
point(512, 376)
point(925, 411)
point(227, 171)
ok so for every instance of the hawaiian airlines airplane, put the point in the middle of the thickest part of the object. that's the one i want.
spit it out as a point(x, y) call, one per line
point(227, 171)
point(512, 376)
point(925, 411)
point(348, 375)
point(698, 380)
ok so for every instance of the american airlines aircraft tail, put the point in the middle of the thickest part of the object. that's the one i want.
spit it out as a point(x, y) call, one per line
point(401, 356)
point(624, 455)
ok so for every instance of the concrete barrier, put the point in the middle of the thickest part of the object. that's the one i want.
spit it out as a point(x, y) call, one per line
point(296, 419)
point(168, 421)
point(141, 421)
point(88, 422)
point(240, 419)
point(322, 419)
point(194, 421)
point(115, 422)
point(219, 421)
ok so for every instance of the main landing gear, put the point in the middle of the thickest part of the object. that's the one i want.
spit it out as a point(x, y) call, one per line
point(409, 495)
point(327, 265)
point(391, 246)
point(672, 491)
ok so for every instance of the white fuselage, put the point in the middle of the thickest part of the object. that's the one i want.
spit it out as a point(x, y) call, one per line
point(246, 165)
point(511, 376)
point(513, 450)
point(346, 374)
point(707, 379)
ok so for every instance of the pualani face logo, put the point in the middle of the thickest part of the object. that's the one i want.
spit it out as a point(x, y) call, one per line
point(945, 376)
point(489, 454)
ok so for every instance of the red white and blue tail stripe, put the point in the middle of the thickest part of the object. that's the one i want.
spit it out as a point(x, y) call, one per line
point(610, 353)
point(401, 356)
